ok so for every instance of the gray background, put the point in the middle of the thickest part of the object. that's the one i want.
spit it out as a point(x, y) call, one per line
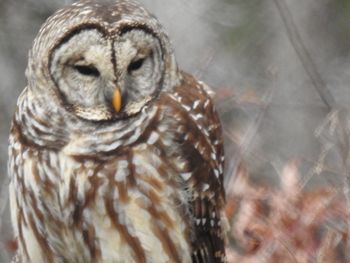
point(269, 107)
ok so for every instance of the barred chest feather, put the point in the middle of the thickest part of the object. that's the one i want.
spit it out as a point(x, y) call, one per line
point(122, 196)
point(126, 209)
point(103, 214)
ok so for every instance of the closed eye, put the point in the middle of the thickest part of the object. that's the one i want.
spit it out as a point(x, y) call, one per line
point(135, 65)
point(87, 70)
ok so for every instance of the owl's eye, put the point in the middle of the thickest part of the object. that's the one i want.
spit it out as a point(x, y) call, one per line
point(87, 70)
point(135, 65)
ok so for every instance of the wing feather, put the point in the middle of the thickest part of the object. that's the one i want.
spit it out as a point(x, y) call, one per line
point(202, 145)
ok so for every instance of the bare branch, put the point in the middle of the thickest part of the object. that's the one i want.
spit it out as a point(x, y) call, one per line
point(304, 55)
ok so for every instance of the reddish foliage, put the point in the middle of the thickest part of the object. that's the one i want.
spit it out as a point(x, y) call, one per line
point(288, 224)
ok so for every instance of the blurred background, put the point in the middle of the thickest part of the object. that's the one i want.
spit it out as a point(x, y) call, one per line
point(268, 64)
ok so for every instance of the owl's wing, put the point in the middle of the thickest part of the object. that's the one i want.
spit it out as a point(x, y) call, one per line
point(200, 136)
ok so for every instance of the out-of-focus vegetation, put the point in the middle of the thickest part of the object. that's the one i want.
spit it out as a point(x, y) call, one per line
point(271, 112)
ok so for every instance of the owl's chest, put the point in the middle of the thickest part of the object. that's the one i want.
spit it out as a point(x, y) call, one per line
point(130, 208)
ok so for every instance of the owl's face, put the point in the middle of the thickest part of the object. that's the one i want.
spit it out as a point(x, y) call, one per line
point(101, 60)
point(92, 68)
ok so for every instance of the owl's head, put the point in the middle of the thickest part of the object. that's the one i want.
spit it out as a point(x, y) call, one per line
point(102, 60)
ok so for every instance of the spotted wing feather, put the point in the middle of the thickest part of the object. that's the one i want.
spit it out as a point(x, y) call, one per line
point(199, 134)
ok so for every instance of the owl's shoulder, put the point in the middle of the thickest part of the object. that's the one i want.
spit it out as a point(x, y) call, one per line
point(190, 82)
point(35, 126)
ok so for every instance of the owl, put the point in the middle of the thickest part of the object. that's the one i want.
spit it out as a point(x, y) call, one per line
point(115, 155)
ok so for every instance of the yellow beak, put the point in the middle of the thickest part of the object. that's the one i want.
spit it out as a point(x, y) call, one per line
point(117, 99)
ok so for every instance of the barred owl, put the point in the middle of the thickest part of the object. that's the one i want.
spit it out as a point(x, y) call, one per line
point(115, 155)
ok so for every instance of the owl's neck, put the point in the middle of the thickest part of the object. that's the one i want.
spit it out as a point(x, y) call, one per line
point(110, 139)
point(43, 124)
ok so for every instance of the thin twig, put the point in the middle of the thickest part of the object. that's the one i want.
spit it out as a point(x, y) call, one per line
point(304, 56)
point(247, 140)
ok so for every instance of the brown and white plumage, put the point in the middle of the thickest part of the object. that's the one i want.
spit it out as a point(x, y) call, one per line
point(92, 185)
